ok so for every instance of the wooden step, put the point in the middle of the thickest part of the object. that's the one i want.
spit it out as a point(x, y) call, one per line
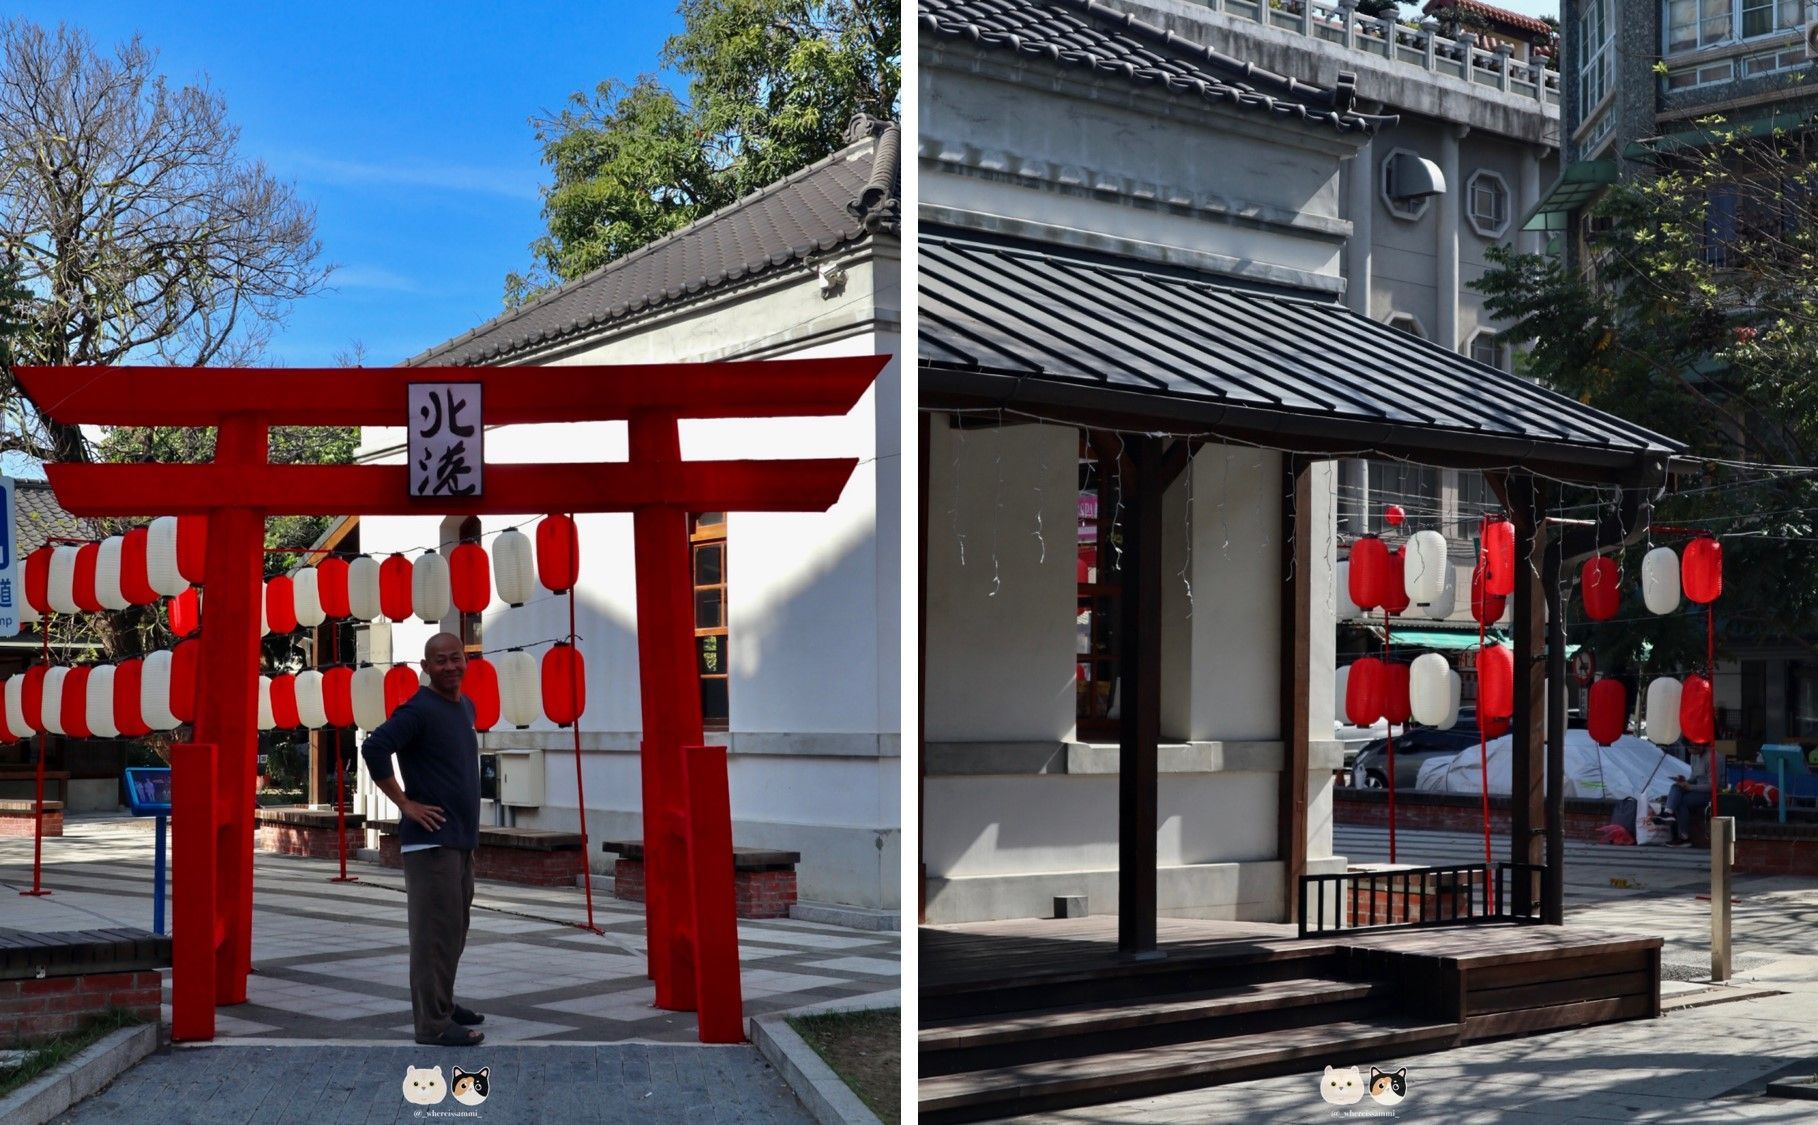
point(1112, 1015)
point(1117, 1076)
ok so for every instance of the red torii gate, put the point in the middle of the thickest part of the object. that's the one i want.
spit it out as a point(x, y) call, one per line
point(692, 932)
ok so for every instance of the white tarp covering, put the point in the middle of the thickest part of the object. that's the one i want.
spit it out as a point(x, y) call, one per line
point(1630, 767)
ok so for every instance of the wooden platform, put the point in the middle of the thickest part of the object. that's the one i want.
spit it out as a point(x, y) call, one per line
point(1035, 1015)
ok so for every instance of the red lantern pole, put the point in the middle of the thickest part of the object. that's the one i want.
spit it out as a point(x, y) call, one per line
point(580, 789)
point(38, 890)
point(1387, 629)
point(1483, 756)
point(340, 786)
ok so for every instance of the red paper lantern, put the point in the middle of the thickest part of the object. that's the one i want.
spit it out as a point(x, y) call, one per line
point(1486, 608)
point(281, 605)
point(32, 696)
point(185, 613)
point(1495, 682)
point(1600, 586)
point(37, 580)
point(284, 702)
point(129, 719)
point(1499, 556)
point(1494, 727)
point(470, 578)
point(1697, 717)
point(6, 731)
point(400, 684)
point(1395, 706)
point(1607, 711)
point(184, 661)
point(1363, 692)
point(82, 587)
point(331, 587)
point(559, 553)
point(337, 695)
point(1701, 570)
point(1369, 572)
point(1394, 596)
point(192, 548)
point(134, 584)
point(1393, 515)
point(75, 702)
point(396, 595)
point(481, 684)
point(564, 684)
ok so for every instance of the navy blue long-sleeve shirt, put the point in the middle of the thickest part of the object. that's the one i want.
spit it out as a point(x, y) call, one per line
point(439, 758)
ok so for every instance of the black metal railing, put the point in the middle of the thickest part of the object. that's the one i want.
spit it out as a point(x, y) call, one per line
point(1412, 897)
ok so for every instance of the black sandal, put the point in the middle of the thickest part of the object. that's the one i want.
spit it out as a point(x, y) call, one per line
point(467, 1017)
point(454, 1037)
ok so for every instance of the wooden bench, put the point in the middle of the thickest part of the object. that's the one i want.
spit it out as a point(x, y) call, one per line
point(10, 783)
point(16, 818)
point(539, 857)
point(303, 831)
point(50, 983)
point(763, 879)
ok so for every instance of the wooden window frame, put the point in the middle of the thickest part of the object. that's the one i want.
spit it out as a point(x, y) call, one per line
point(707, 535)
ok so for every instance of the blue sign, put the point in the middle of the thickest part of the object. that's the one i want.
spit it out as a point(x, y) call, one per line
point(148, 790)
point(12, 591)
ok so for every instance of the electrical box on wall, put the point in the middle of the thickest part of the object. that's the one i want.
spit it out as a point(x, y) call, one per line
point(519, 778)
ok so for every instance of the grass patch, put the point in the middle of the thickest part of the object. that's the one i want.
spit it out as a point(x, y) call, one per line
point(41, 1056)
point(865, 1050)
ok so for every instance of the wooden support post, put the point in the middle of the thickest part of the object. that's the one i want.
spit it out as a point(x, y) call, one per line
point(1296, 634)
point(1139, 698)
point(1552, 893)
point(1526, 790)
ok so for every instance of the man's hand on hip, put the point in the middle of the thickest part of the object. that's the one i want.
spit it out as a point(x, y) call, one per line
point(430, 817)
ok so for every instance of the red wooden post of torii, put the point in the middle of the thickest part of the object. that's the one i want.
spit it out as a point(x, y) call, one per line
point(693, 937)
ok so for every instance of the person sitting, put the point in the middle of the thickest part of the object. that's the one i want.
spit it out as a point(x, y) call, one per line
point(1689, 796)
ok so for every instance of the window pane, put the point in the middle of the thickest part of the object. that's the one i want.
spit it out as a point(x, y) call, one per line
point(714, 704)
point(711, 651)
point(709, 565)
point(710, 519)
point(710, 609)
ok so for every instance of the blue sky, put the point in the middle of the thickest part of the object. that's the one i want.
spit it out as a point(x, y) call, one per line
point(405, 124)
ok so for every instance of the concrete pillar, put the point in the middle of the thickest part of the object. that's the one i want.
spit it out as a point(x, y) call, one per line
point(1445, 328)
point(1360, 208)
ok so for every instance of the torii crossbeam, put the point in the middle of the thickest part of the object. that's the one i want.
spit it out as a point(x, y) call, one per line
point(693, 937)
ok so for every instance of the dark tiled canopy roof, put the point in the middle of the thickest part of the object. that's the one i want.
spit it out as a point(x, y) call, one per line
point(842, 199)
point(38, 517)
point(1030, 330)
point(1095, 36)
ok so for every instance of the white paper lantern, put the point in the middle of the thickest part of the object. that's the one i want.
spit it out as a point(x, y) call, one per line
point(53, 698)
point(369, 695)
point(1447, 602)
point(1424, 567)
point(1341, 679)
point(310, 707)
point(15, 707)
point(306, 595)
point(430, 595)
point(101, 702)
point(514, 570)
point(1660, 580)
point(266, 721)
point(62, 594)
point(520, 692)
point(107, 577)
point(154, 692)
point(363, 588)
point(1455, 688)
point(1429, 689)
point(1662, 720)
point(264, 613)
point(28, 613)
point(161, 571)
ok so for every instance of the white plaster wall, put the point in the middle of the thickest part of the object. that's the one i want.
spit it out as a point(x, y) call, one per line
point(1001, 601)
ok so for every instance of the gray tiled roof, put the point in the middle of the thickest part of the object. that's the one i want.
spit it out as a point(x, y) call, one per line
point(1086, 33)
point(39, 517)
point(1033, 328)
point(844, 198)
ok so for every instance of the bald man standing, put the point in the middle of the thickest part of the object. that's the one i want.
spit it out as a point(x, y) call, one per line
point(433, 738)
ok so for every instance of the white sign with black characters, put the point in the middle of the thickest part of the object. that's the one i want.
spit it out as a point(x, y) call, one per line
point(12, 588)
point(447, 439)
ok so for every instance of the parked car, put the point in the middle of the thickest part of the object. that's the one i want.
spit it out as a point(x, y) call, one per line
point(1413, 748)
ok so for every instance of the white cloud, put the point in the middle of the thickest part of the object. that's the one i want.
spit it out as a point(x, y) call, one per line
point(508, 183)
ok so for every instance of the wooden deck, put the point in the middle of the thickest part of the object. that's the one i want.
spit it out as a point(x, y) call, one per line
point(1030, 1015)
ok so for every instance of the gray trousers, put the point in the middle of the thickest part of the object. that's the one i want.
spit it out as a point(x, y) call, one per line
point(438, 888)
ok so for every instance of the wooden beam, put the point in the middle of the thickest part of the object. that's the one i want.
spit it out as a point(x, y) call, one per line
point(1139, 699)
point(377, 396)
point(1527, 789)
point(1296, 674)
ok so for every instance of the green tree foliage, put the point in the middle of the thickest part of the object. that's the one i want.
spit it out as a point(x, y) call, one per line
point(770, 86)
point(1696, 315)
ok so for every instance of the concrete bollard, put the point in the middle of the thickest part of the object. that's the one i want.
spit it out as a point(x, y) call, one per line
point(1723, 857)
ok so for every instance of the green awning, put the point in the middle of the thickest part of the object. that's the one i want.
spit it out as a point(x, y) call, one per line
point(1442, 638)
point(1702, 135)
point(1576, 187)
